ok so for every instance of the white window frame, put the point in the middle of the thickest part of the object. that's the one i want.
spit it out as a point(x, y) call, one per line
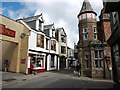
point(98, 59)
point(85, 28)
point(94, 29)
point(95, 36)
point(84, 36)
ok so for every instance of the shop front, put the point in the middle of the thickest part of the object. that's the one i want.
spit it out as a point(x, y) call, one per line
point(37, 60)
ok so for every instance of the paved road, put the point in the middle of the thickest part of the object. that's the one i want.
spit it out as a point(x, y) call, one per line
point(62, 79)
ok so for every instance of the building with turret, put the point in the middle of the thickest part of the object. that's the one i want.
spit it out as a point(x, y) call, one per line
point(90, 48)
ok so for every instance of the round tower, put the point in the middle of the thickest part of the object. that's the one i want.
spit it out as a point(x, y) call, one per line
point(87, 23)
point(90, 49)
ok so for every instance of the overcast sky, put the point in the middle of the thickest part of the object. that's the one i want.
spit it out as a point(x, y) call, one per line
point(63, 13)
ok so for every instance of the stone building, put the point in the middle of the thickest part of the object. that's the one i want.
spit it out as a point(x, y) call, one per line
point(104, 30)
point(113, 8)
point(90, 47)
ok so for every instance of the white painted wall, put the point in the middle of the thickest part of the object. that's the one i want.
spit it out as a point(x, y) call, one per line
point(48, 62)
point(37, 24)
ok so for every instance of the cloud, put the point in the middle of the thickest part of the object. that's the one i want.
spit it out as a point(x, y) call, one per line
point(63, 13)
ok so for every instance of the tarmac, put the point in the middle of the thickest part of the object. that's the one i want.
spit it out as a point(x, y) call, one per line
point(10, 77)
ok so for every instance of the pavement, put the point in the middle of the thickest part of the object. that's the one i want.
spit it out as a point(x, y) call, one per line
point(10, 77)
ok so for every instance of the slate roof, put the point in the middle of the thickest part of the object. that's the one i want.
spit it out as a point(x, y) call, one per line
point(32, 18)
point(86, 7)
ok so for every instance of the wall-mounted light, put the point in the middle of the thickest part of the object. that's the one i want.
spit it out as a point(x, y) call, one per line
point(24, 35)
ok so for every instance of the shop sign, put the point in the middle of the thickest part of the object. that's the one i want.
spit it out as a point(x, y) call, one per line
point(6, 31)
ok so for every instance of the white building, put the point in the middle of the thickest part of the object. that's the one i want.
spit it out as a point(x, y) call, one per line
point(52, 56)
point(42, 49)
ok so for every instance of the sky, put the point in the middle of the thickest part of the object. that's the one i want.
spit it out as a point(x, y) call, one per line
point(63, 13)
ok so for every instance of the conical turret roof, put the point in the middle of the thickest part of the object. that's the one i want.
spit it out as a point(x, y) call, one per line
point(86, 7)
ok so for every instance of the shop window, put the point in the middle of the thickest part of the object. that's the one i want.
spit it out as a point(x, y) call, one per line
point(40, 40)
point(52, 61)
point(37, 60)
point(63, 49)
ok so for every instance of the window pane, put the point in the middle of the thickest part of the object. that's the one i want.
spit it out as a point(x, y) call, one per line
point(96, 63)
point(38, 40)
point(39, 62)
point(94, 30)
point(100, 63)
point(95, 36)
point(53, 45)
point(96, 54)
point(52, 61)
point(63, 39)
point(47, 42)
point(63, 49)
point(42, 41)
point(100, 54)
